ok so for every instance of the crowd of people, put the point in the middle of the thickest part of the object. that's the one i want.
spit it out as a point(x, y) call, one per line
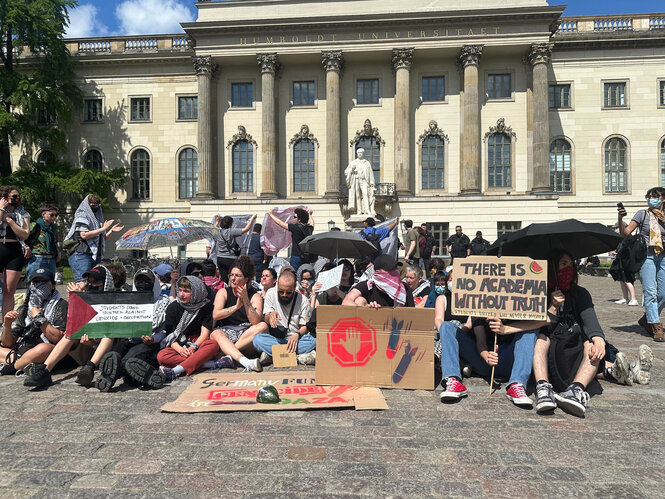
point(229, 310)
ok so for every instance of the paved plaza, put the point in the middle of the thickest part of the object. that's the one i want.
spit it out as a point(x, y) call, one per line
point(69, 441)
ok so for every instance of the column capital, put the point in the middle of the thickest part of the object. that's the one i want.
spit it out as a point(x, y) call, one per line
point(203, 66)
point(268, 63)
point(332, 60)
point(402, 58)
point(540, 53)
point(469, 55)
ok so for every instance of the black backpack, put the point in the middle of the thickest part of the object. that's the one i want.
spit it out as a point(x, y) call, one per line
point(631, 253)
point(373, 238)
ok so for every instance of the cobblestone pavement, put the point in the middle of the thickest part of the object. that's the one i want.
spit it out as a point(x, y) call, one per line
point(71, 442)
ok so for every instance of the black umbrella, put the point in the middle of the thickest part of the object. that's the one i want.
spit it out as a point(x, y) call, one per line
point(539, 240)
point(336, 244)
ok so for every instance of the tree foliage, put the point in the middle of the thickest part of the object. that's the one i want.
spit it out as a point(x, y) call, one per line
point(36, 75)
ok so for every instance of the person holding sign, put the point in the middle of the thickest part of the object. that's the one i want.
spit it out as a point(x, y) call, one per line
point(384, 289)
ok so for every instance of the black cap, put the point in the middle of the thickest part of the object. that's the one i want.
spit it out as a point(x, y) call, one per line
point(385, 262)
point(45, 274)
point(370, 221)
point(97, 274)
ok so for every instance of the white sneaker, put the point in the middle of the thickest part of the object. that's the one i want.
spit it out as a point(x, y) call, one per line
point(620, 370)
point(307, 359)
point(621, 301)
point(265, 359)
point(633, 303)
point(254, 365)
point(641, 367)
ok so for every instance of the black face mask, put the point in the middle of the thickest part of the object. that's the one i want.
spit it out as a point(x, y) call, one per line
point(15, 201)
point(143, 285)
point(95, 208)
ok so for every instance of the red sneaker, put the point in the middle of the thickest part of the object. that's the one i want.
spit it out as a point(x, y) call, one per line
point(517, 395)
point(453, 389)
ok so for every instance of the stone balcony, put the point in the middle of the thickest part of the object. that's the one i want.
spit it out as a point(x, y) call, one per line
point(610, 24)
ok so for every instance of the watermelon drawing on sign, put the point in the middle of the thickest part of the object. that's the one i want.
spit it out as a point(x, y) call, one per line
point(535, 268)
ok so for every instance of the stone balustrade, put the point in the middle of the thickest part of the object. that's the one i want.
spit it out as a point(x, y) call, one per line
point(637, 22)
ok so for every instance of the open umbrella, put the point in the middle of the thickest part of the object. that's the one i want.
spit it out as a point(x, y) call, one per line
point(538, 240)
point(336, 244)
point(166, 232)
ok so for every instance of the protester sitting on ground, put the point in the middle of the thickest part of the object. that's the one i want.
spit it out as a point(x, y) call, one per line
point(238, 312)
point(226, 247)
point(268, 280)
point(302, 227)
point(188, 268)
point(187, 346)
point(91, 231)
point(578, 347)
point(87, 352)
point(306, 280)
point(419, 287)
point(113, 365)
point(285, 312)
point(375, 234)
point(163, 273)
point(43, 241)
point(30, 333)
point(437, 265)
point(331, 296)
point(210, 276)
point(13, 229)
point(384, 289)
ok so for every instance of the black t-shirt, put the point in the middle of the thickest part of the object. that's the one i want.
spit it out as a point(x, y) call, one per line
point(174, 312)
point(479, 246)
point(458, 245)
point(298, 233)
point(239, 316)
point(255, 252)
point(375, 294)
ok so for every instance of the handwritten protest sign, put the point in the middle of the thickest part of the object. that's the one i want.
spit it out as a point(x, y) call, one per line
point(330, 278)
point(507, 287)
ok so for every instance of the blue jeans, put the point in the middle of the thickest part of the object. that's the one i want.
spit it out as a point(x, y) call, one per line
point(295, 262)
point(263, 343)
point(40, 262)
point(652, 275)
point(81, 263)
point(515, 358)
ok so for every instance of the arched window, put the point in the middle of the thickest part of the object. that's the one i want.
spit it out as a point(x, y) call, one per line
point(662, 163)
point(432, 162)
point(140, 164)
point(498, 160)
point(560, 166)
point(188, 173)
point(372, 154)
point(243, 166)
point(46, 157)
point(93, 160)
point(303, 165)
point(616, 167)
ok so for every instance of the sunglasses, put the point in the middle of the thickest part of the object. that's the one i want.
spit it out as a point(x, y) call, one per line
point(197, 273)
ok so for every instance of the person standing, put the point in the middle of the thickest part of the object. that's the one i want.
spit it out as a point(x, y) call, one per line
point(226, 248)
point(458, 245)
point(411, 243)
point(427, 249)
point(91, 231)
point(13, 229)
point(479, 245)
point(43, 241)
point(375, 235)
point(303, 227)
point(255, 251)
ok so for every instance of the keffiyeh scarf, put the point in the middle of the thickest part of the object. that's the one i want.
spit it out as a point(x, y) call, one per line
point(190, 310)
point(655, 236)
point(84, 215)
point(390, 283)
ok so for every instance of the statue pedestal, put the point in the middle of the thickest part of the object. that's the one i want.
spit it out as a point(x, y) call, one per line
point(355, 222)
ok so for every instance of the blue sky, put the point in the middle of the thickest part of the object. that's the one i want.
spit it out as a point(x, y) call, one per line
point(132, 17)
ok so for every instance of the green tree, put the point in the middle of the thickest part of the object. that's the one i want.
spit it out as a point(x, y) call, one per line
point(31, 31)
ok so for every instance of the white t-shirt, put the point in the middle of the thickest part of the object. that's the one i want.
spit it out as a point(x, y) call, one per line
point(300, 310)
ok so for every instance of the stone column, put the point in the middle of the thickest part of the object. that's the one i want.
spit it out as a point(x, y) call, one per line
point(470, 161)
point(402, 59)
point(269, 66)
point(205, 70)
point(332, 64)
point(539, 58)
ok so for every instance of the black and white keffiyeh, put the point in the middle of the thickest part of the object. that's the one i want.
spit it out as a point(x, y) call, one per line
point(85, 215)
point(190, 310)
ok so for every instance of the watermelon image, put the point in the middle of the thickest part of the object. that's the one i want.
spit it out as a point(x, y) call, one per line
point(535, 268)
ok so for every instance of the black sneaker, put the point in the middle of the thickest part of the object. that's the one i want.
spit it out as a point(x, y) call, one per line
point(39, 376)
point(544, 398)
point(7, 370)
point(86, 374)
point(573, 400)
point(143, 373)
point(109, 371)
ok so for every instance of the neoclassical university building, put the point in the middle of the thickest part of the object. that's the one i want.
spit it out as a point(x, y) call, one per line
point(484, 114)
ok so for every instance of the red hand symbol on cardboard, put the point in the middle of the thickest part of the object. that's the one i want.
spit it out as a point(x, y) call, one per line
point(351, 342)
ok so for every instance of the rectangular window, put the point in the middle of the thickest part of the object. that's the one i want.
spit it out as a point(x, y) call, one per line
point(661, 93)
point(140, 109)
point(439, 231)
point(303, 93)
point(367, 91)
point(92, 110)
point(507, 227)
point(498, 86)
point(434, 89)
point(559, 96)
point(188, 108)
point(45, 118)
point(242, 94)
point(615, 94)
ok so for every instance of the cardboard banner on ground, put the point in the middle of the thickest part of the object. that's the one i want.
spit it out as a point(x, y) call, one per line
point(297, 391)
point(390, 348)
point(109, 315)
point(508, 287)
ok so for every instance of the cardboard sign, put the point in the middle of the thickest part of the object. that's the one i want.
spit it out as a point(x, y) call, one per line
point(330, 278)
point(297, 391)
point(508, 287)
point(282, 358)
point(391, 348)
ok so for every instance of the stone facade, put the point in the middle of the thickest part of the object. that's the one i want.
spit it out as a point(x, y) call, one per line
point(492, 125)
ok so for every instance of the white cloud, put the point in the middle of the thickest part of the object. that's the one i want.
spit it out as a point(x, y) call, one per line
point(138, 17)
point(84, 22)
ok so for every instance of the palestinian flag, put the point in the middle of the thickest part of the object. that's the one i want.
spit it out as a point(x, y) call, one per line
point(109, 315)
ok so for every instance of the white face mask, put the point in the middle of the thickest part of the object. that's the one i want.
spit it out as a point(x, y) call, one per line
point(450, 286)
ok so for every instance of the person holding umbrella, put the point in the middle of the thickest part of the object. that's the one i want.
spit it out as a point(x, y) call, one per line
point(651, 223)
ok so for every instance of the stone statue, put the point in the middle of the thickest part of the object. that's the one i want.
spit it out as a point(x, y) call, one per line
point(360, 181)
